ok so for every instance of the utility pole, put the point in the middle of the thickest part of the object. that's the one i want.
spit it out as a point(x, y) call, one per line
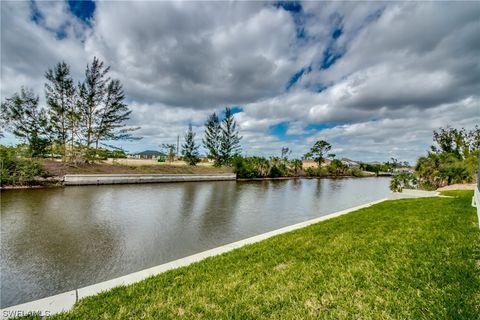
point(178, 143)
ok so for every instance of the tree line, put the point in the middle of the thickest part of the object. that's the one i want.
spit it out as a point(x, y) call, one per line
point(222, 142)
point(274, 167)
point(453, 158)
point(77, 120)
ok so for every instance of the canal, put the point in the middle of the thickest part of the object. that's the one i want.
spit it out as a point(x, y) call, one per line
point(58, 239)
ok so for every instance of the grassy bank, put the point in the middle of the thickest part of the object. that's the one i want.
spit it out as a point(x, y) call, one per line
point(60, 169)
point(32, 173)
point(404, 259)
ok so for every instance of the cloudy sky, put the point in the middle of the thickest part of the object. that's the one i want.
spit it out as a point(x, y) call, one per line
point(373, 79)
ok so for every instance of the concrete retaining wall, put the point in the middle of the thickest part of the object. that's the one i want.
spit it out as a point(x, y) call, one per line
point(96, 179)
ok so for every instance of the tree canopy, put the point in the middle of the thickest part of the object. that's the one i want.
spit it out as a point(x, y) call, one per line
point(318, 151)
point(76, 120)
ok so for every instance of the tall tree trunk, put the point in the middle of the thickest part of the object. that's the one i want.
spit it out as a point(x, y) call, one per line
point(64, 141)
point(89, 138)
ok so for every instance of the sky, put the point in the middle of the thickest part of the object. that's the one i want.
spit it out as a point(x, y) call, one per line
point(372, 78)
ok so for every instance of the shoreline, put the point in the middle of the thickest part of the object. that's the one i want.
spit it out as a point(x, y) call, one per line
point(306, 177)
point(61, 181)
point(55, 182)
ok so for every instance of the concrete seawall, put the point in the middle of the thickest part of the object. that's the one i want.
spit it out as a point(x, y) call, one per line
point(97, 179)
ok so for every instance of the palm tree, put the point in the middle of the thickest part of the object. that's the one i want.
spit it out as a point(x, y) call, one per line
point(296, 165)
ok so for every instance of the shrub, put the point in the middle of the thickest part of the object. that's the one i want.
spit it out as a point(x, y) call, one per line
point(356, 172)
point(311, 172)
point(395, 185)
point(274, 172)
point(403, 180)
point(336, 167)
point(296, 166)
point(17, 170)
point(244, 168)
point(456, 172)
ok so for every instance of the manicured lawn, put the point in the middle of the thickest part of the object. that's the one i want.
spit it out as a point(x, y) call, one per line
point(404, 259)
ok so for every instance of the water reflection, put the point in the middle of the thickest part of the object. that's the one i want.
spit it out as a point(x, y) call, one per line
point(54, 240)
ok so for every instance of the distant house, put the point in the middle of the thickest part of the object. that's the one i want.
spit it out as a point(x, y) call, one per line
point(350, 163)
point(149, 154)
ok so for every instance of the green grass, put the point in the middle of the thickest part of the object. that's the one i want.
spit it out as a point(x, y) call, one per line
point(403, 259)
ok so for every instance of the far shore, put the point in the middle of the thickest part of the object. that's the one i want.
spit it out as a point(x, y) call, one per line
point(306, 177)
point(58, 169)
point(58, 181)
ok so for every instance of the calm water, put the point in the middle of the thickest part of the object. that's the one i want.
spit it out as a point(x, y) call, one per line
point(59, 239)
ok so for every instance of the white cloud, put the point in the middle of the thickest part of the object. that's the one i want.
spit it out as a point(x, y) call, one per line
point(201, 55)
point(405, 68)
point(28, 49)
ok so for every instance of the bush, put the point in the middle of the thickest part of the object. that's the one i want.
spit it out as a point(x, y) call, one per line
point(456, 172)
point(244, 168)
point(17, 170)
point(260, 167)
point(356, 172)
point(274, 172)
point(311, 172)
point(403, 180)
point(296, 166)
point(395, 185)
point(336, 168)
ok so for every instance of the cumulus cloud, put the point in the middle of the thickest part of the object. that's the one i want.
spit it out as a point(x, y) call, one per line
point(201, 55)
point(403, 137)
point(374, 79)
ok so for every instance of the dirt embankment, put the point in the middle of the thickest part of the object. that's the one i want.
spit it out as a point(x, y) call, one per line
point(60, 169)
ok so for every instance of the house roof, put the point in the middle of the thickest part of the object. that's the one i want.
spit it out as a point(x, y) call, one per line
point(150, 153)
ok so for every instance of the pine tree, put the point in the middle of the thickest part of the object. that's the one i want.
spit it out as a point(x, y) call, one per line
point(91, 96)
point(230, 139)
point(103, 111)
point(60, 96)
point(190, 148)
point(112, 116)
point(211, 141)
point(318, 152)
point(26, 120)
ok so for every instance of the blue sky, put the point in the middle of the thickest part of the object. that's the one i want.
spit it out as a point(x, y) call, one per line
point(83, 10)
point(374, 79)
